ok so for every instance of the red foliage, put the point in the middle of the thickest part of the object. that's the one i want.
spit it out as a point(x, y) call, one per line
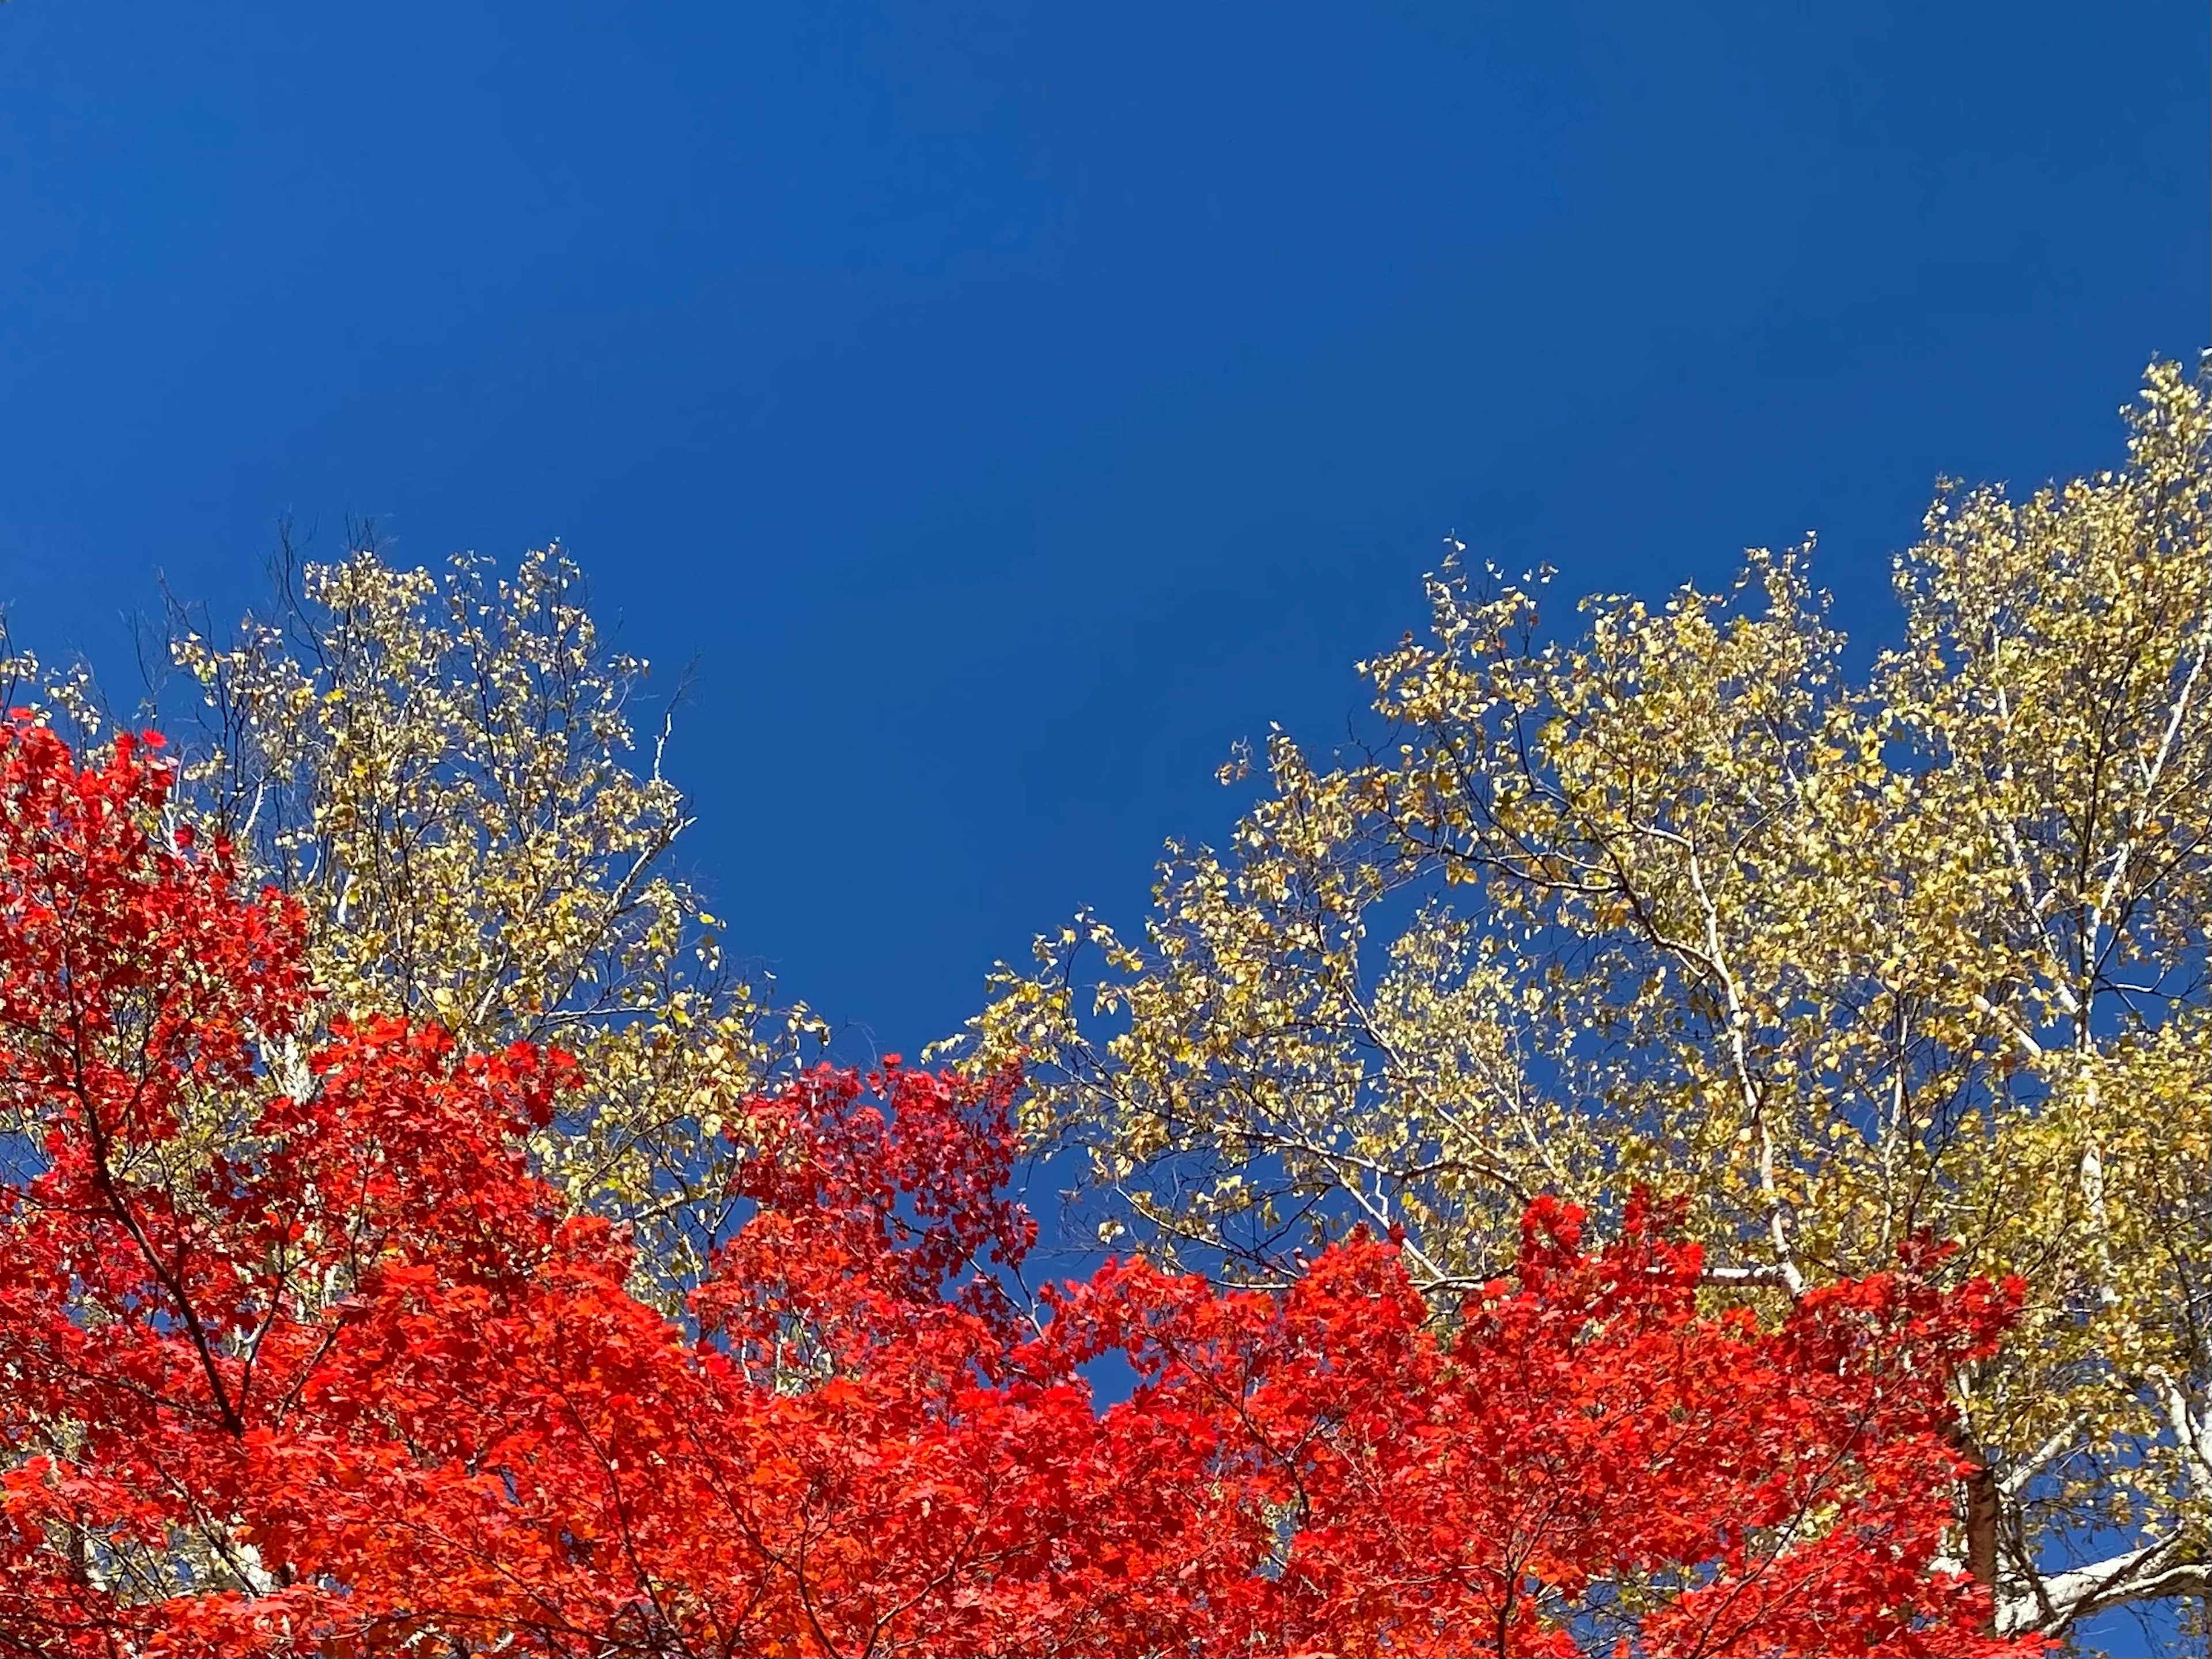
point(335, 1374)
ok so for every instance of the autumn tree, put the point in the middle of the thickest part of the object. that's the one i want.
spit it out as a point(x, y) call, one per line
point(304, 1359)
point(1676, 901)
point(442, 769)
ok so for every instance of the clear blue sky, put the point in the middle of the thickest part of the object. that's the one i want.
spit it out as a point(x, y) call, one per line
point(1010, 406)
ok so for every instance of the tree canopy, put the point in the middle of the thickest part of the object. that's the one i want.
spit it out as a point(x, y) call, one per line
point(1678, 901)
point(314, 1364)
point(440, 768)
point(1669, 1145)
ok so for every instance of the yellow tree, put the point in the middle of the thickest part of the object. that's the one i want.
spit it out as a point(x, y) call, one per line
point(441, 768)
point(1676, 902)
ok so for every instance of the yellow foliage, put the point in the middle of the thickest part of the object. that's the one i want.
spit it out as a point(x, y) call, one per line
point(1676, 902)
point(439, 768)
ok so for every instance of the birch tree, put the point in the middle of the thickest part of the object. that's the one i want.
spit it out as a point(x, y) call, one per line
point(1675, 900)
point(442, 768)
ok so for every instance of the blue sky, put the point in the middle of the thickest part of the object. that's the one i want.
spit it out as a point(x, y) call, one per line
point(1008, 407)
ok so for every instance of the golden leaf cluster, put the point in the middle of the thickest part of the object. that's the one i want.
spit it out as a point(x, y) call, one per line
point(441, 766)
point(1673, 900)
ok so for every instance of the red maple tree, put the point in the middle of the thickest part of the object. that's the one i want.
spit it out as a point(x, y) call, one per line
point(297, 1356)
